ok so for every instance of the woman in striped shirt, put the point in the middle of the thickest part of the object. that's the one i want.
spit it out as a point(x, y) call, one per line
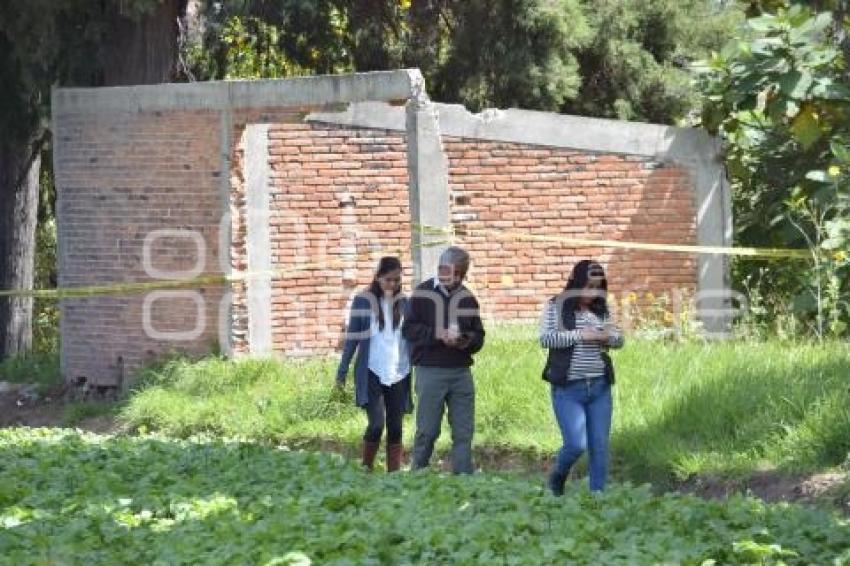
point(576, 329)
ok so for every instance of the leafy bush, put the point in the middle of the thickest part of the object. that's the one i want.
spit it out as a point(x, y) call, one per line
point(778, 95)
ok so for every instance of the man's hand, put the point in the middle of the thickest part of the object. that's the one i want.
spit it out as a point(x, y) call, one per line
point(448, 337)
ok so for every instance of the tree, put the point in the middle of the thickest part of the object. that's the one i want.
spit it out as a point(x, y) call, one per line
point(512, 53)
point(44, 43)
point(478, 52)
point(139, 42)
point(635, 67)
point(428, 41)
point(624, 59)
point(779, 98)
point(258, 39)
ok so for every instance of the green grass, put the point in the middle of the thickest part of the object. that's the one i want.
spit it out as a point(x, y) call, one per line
point(71, 498)
point(693, 408)
point(39, 368)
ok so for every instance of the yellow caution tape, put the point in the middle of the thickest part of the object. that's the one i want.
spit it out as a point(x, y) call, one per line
point(676, 248)
point(200, 281)
point(591, 242)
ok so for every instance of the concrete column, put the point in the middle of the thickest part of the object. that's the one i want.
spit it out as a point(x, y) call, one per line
point(714, 228)
point(429, 185)
point(258, 242)
point(702, 155)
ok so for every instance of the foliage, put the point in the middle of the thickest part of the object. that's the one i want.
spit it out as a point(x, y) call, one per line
point(40, 368)
point(239, 39)
point(77, 412)
point(671, 316)
point(512, 53)
point(44, 43)
point(779, 97)
point(612, 59)
point(45, 311)
point(72, 497)
point(635, 66)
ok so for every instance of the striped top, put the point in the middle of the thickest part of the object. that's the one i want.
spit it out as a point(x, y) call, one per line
point(587, 359)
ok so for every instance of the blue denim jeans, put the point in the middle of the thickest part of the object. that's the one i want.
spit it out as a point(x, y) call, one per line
point(583, 410)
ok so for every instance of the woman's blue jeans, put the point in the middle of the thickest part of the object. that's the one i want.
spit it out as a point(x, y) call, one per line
point(583, 410)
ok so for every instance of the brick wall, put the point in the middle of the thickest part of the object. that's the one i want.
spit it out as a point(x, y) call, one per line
point(502, 192)
point(339, 200)
point(121, 177)
point(238, 212)
point(339, 203)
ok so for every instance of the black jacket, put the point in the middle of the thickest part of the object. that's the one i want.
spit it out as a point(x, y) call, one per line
point(429, 308)
point(558, 362)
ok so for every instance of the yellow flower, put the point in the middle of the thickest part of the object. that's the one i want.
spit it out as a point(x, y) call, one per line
point(668, 317)
point(840, 256)
point(650, 297)
point(632, 298)
point(404, 4)
point(834, 170)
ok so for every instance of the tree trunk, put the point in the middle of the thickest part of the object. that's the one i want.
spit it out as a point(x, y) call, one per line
point(19, 176)
point(142, 51)
point(134, 51)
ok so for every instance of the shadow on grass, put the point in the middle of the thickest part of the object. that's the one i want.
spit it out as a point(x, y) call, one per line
point(742, 422)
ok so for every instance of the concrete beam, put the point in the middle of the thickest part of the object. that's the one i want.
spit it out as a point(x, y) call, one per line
point(539, 128)
point(220, 95)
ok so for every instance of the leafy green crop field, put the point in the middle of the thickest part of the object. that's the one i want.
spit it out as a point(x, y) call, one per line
point(73, 498)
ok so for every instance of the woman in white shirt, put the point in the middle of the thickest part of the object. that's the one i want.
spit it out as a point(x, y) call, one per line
point(382, 367)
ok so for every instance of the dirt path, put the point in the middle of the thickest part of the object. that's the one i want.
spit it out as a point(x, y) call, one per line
point(47, 411)
point(830, 488)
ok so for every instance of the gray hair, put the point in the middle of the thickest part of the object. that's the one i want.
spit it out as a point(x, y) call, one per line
point(456, 256)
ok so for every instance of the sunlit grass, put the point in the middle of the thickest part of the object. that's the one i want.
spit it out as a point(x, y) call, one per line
point(680, 408)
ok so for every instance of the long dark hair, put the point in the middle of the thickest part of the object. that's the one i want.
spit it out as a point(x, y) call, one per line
point(385, 265)
point(578, 281)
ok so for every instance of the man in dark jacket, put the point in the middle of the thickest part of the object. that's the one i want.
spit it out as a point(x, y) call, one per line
point(443, 326)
